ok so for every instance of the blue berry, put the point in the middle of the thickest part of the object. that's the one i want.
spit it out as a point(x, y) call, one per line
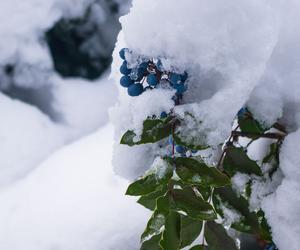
point(180, 88)
point(184, 76)
point(163, 115)
point(135, 89)
point(175, 78)
point(126, 81)
point(152, 80)
point(122, 53)
point(159, 65)
point(180, 149)
point(144, 65)
point(141, 72)
point(124, 69)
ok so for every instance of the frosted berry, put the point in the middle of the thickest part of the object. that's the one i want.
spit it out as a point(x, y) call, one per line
point(124, 69)
point(141, 72)
point(180, 88)
point(175, 78)
point(159, 65)
point(180, 149)
point(122, 53)
point(144, 65)
point(126, 81)
point(152, 80)
point(163, 114)
point(135, 89)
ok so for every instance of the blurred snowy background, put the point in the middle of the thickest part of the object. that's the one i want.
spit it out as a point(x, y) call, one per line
point(56, 193)
point(58, 190)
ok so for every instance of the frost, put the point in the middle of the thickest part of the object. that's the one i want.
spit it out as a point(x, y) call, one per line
point(231, 216)
point(159, 167)
point(239, 182)
point(196, 178)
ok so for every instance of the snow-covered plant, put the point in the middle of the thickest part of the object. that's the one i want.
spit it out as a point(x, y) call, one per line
point(196, 200)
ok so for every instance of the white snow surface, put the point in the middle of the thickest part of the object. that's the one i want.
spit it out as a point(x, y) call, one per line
point(54, 111)
point(72, 201)
point(236, 53)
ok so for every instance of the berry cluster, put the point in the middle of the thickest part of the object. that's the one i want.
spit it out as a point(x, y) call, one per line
point(149, 74)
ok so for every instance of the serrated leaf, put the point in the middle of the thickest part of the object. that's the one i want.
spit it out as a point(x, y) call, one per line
point(189, 230)
point(149, 200)
point(217, 237)
point(159, 174)
point(194, 206)
point(152, 243)
point(237, 160)
point(198, 173)
point(180, 141)
point(154, 130)
point(171, 235)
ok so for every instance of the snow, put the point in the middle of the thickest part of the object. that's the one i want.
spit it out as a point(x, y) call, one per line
point(26, 137)
point(236, 53)
point(210, 49)
point(72, 201)
point(41, 111)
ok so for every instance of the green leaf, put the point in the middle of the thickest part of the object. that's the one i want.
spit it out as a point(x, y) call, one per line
point(154, 130)
point(194, 206)
point(198, 173)
point(171, 235)
point(249, 125)
point(273, 154)
point(159, 174)
point(217, 237)
point(205, 192)
point(189, 230)
point(149, 200)
point(180, 141)
point(249, 222)
point(264, 228)
point(242, 226)
point(158, 218)
point(198, 247)
point(152, 244)
point(237, 160)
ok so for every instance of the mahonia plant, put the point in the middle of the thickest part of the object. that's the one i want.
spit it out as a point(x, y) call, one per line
point(187, 195)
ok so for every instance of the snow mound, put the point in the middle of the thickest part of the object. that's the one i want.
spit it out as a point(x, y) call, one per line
point(72, 201)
